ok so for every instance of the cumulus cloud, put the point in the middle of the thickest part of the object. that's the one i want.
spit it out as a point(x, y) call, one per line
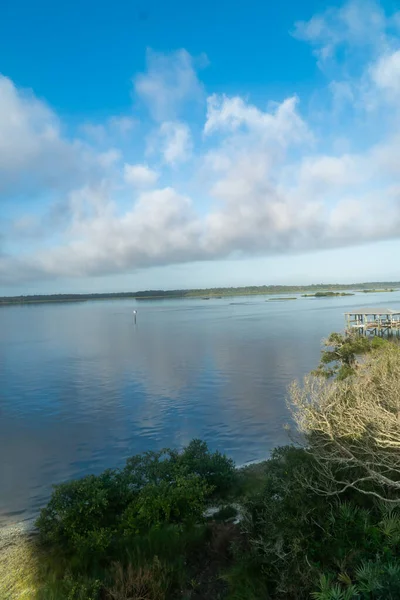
point(33, 151)
point(282, 125)
point(159, 228)
point(261, 179)
point(169, 84)
point(386, 74)
point(140, 175)
point(172, 141)
point(358, 23)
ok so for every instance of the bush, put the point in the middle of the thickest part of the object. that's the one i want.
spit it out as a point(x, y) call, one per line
point(373, 580)
point(82, 514)
point(298, 536)
point(340, 357)
point(87, 517)
point(182, 502)
point(214, 468)
point(279, 522)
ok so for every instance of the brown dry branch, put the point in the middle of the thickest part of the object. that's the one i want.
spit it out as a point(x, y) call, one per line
point(352, 427)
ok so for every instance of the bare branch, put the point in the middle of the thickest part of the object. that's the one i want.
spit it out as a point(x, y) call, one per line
point(352, 427)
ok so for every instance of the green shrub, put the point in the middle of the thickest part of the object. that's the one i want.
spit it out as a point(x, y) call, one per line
point(245, 581)
point(297, 535)
point(166, 465)
point(217, 470)
point(180, 502)
point(340, 357)
point(373, 580)
point(87, 517)
point(82, 514)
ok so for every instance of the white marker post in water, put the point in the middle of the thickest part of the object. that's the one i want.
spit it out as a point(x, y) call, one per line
point(134, 316)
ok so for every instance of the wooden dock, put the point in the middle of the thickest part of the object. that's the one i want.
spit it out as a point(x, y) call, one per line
point(373, 321)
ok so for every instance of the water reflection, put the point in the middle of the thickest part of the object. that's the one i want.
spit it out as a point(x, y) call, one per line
point(82, 387)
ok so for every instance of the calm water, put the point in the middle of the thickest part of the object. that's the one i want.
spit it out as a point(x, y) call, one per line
point(82, 387)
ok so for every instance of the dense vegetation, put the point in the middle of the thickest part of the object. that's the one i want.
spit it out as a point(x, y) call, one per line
point(320, 288)
point(320, 519)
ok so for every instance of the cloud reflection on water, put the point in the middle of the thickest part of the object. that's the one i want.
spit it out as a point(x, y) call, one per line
point(82, 387)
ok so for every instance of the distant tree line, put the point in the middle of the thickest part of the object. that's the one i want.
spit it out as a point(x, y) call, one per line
point(194, 293)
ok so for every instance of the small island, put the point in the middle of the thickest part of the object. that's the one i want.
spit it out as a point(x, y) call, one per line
point(326, 294)
point(280, 299)
point(378, 291)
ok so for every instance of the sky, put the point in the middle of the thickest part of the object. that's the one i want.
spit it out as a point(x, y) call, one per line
point(163, 145)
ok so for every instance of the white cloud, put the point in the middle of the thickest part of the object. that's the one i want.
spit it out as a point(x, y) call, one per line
point(123, 125)
point(386, 74)
point(159, 228)
point(140, 175)
point(34, 154)
point(109, 158)
point(355, 24)
point(169, 83)
point(29, 137)
point(282, 125)
point(172, 141)
point(263, 179)
point(330, 172)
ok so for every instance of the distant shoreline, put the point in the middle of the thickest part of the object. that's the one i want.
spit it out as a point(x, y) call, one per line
point(204, 294)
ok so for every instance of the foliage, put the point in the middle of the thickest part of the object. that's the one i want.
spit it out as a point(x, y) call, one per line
point(214, 468)
point(279, 522)
point(87, 515)
point(379, 580)
point(182, 501)
point(82, 515)
point(245, 581)
point(299, 539)
point(340, 357)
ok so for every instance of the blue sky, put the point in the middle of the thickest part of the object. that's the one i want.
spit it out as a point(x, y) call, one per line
point(163, 145)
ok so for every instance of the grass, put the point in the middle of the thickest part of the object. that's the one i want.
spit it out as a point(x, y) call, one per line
point(20, 558)
point(164, 567)
point(149, 581)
